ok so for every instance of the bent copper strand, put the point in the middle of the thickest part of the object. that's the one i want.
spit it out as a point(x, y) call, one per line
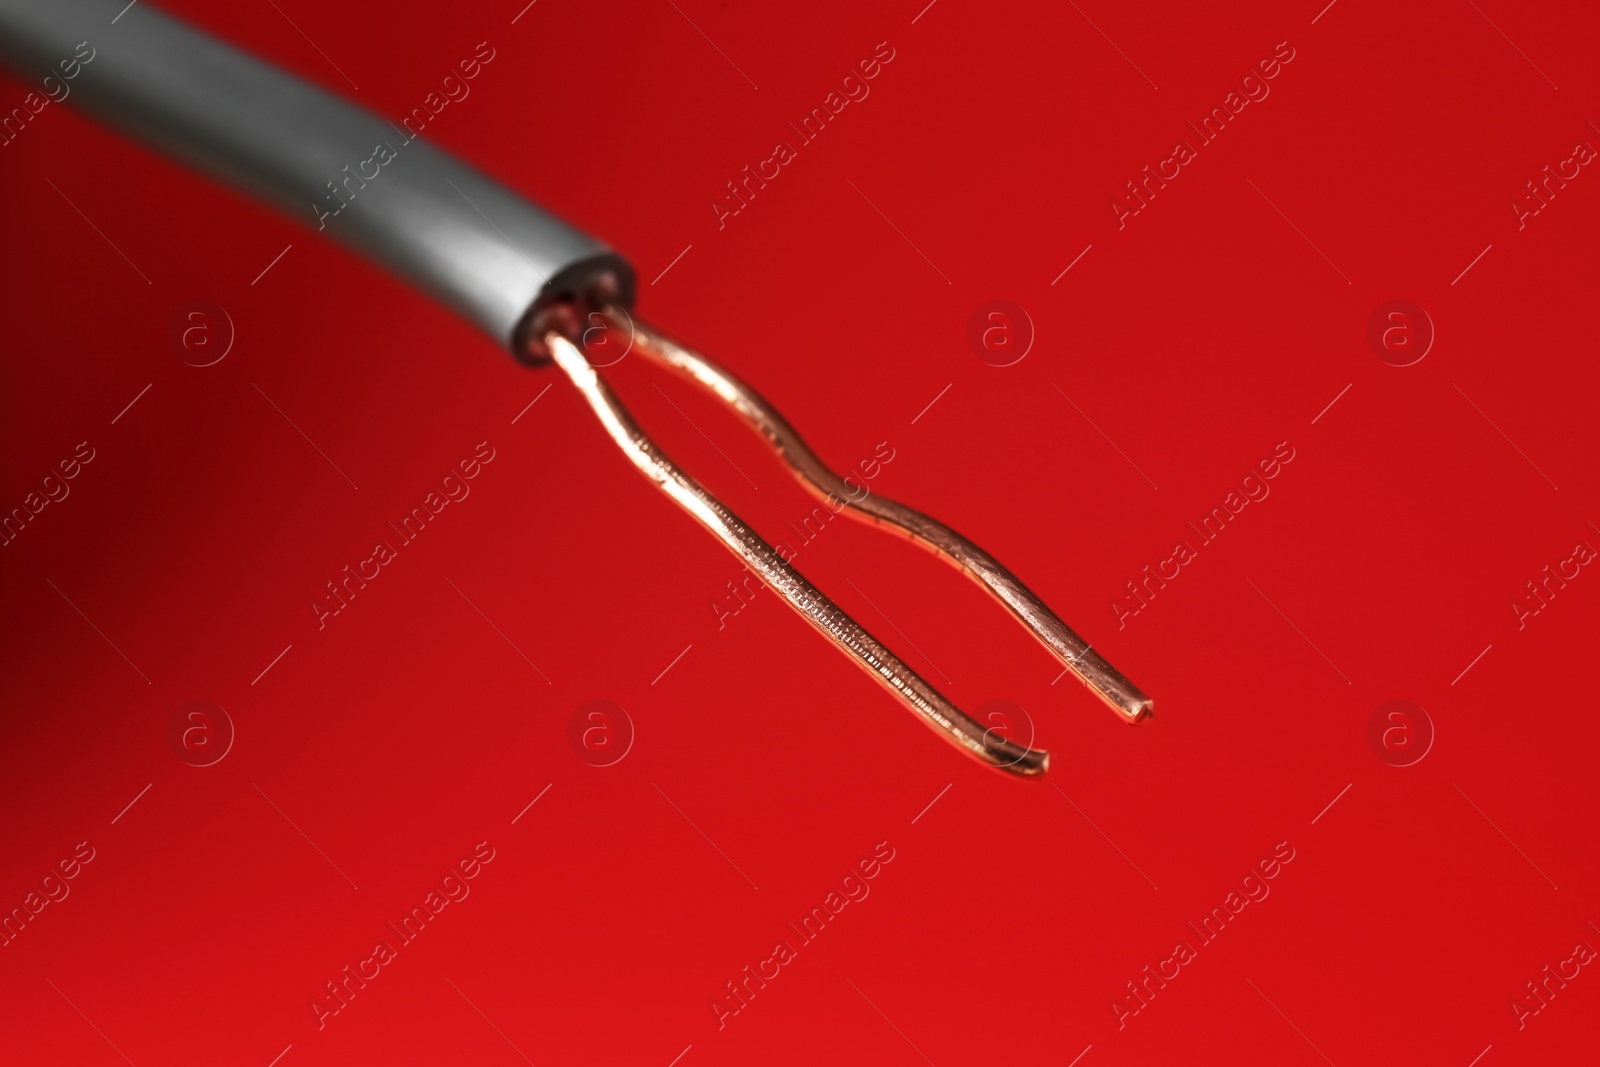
point(1121, 695)
point(801, 595)
point(521, 275)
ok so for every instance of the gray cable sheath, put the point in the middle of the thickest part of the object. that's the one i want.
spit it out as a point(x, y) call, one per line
point(464, 239)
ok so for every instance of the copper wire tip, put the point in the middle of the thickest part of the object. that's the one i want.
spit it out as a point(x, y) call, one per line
point(833, 623)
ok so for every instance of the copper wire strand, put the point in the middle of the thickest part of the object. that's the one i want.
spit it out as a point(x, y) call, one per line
point(832, 622)
point(1104, 680)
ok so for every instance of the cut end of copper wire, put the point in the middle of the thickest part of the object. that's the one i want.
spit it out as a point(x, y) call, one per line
point(622, 333)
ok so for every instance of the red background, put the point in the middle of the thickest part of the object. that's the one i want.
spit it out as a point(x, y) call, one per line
point(1197, 338)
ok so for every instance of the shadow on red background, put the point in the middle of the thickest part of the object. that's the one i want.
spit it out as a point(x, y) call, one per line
point(410, 732)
